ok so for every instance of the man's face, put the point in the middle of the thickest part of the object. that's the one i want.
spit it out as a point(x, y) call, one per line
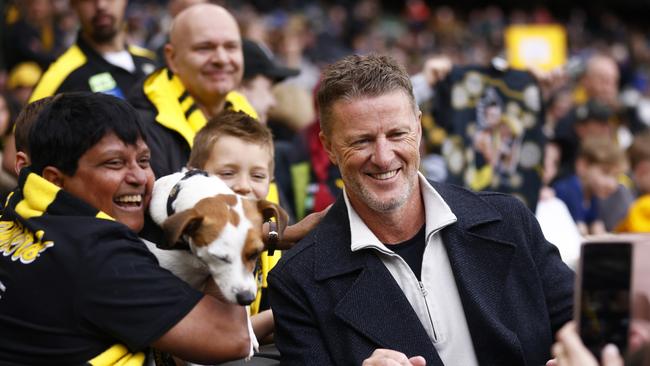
point(205, 52)
point(101, 20)
point(601, 81)
point(375, 143)
point(258, 92)
point(115, 178)
point(245, 167)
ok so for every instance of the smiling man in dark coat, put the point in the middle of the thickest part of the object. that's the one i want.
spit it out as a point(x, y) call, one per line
point(407, 270)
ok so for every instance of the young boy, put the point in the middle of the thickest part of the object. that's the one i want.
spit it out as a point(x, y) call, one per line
point(599, 163)
point(17, 151)
point(239, 149)
point(638, 215)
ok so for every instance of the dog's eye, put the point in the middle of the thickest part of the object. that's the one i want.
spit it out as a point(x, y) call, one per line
point(224, 258)
point(253, 256)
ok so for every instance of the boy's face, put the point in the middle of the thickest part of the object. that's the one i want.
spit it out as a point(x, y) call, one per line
point(600, 180)
point(242, 165)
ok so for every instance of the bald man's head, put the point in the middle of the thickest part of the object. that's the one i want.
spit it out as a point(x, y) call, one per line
point(176, 6)
point(601, 79)
point(205, 52)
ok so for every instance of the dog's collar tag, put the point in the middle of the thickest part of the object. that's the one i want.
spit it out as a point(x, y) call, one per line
point(177, 187)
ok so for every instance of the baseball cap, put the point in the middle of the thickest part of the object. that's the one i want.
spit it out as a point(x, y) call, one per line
point(258, 60)
point(25, 74)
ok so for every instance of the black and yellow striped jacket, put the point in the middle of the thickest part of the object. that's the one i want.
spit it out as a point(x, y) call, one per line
point(81, 68)
point(77, 287)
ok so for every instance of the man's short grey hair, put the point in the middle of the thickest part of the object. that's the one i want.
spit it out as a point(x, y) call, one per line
point(356, 77)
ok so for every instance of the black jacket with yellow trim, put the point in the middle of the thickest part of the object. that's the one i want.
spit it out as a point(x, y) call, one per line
point(172, 118)
point(81, 68)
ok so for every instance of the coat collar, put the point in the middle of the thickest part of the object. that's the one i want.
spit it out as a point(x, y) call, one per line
point(437, 212)
point(333, 234)
point(474, 244)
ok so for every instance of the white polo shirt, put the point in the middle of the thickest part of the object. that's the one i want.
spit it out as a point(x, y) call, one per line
point(435, 299)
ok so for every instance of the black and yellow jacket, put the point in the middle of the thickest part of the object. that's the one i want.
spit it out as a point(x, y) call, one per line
point(171, 119)
point(77, 287)
point(81, 68)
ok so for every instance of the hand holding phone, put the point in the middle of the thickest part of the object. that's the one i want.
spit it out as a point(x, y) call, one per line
point(603, 295)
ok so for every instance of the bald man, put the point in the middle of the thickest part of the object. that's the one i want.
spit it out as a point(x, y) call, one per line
point(600, 81)
point(174, 7)
point(205, 66)
point(597, 95)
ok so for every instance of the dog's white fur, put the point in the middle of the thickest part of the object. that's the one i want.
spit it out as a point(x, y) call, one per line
point(222, 257)
point(231, 278)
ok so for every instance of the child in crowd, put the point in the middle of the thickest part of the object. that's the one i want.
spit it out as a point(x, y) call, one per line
point(599, 163)
point(239, 150)
point(22, 126)
point(638, 216)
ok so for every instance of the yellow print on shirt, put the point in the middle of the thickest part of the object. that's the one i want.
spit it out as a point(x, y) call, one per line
point(20, 243)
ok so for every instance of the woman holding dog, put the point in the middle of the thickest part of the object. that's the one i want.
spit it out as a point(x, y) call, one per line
point(76, 284)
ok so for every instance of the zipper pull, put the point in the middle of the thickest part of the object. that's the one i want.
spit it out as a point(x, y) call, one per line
point(422, 289)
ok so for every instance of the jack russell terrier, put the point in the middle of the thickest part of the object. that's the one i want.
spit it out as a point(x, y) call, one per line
point(221, 231)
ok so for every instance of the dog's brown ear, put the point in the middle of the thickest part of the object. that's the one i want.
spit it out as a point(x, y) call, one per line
point(270, 210)
point(184, 222)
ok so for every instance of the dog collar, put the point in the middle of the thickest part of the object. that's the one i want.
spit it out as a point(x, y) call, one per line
point(177, 187)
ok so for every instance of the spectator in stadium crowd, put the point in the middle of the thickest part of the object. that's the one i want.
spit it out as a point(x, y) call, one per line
point(361, 287)
point(637, 218)
point(261, 73)
point(599, 163)
point(100, 60)
point(205, 67)
point(21, 83)
point(592, 119)
point(597, 89)
point(33, 36)
point(107, 298)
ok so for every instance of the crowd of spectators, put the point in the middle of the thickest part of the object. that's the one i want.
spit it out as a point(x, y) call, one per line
point(307, 35)
point(594, 115)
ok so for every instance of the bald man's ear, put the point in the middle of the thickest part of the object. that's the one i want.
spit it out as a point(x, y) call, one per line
point(53, 175)
point(169, 57)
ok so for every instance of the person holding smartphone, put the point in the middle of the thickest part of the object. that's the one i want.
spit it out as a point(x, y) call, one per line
point(569, 350)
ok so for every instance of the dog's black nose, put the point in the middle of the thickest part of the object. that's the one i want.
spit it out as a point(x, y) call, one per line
point(245, 298)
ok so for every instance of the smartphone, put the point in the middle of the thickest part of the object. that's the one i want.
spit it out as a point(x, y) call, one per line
point(604, 295)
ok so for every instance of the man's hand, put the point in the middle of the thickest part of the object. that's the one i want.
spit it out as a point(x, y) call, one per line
point(550, 81)
point(387, 357)
point(436, 69)
point(293, 233)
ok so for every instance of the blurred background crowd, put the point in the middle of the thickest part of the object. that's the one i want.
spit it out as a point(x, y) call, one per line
point(307, 35)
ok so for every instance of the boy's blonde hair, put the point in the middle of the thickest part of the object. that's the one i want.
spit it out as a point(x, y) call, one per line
point(640, 149)
point(602, 151)
point(229, 123)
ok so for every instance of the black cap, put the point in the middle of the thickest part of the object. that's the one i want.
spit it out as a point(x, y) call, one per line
point(594, 110)
point(258, 60)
